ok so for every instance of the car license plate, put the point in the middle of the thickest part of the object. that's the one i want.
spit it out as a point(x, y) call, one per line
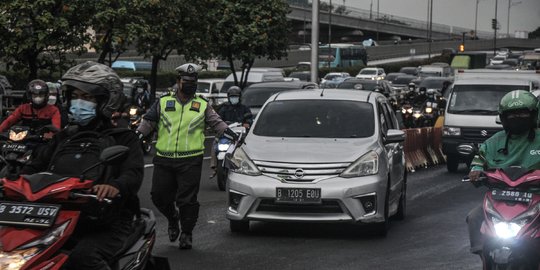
point(28, 214)
point(511, 195)
point(15, 147)
point(298, 195)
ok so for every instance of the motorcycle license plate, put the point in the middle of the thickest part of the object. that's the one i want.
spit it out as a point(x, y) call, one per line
point(511, 195)
point(14, 147)
point(298, 195)
point(28, 214)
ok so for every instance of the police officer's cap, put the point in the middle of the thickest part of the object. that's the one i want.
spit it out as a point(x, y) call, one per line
point(188, 72)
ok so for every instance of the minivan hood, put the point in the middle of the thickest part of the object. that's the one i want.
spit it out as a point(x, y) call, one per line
point(467, 120)
point(306, 150)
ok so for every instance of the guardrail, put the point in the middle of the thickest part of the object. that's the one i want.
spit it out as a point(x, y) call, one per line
point(423, 147)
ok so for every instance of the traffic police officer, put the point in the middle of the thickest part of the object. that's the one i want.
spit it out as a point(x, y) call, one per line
point(180, 119)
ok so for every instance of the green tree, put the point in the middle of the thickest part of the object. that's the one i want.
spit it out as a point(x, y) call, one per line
point(181, 25)
point(245, 30)
point(535, 33)
point(37, 35)
point(112, 21)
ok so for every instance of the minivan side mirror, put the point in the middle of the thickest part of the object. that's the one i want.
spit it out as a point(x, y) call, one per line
point(394, 136)
point(498, 120)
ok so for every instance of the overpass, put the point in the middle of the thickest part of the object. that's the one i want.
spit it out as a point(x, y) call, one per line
point(350, 24)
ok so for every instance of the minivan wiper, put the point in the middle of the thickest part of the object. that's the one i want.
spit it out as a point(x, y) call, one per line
point(478, 111)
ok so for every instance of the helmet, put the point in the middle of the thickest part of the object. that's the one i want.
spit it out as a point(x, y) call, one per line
point(518, 100)
point(188, 72)
point(38, 87)
point(98, 80)
point(234, 91)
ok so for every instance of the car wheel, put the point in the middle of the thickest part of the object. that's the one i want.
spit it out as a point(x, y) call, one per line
point(402, 207)
point(239, 226)
point(221, 176)
point(452, 163)
point(381, 228)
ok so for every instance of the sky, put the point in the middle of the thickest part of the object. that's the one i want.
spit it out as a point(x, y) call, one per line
point(524, 16)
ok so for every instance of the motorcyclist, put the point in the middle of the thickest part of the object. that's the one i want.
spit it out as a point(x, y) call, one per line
point(55, 98)
point(93, 93)
point(37, 113)
point(142, 97)
point(411, 94)
point(518, 111)
point(232, 112)
point(421, 98)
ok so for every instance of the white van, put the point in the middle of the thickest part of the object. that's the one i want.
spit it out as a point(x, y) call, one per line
point(472, 109)
point(255, 75)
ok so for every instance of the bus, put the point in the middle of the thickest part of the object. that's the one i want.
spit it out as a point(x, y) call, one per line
point(342, 55)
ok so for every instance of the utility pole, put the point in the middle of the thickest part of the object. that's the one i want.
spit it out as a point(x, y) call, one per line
point(510, 4)
point(371, 10)
point(495, 30)
point(430, 27)
point(329, 34)
point(315, 41)
point(378, 21)
point(476, 19)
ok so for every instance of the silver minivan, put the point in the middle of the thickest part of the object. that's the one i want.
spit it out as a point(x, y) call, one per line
point(320, 156)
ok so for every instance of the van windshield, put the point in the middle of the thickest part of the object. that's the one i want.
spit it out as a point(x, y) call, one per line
point(479, 99)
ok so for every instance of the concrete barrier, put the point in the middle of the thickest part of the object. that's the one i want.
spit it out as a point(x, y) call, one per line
point(423, 148)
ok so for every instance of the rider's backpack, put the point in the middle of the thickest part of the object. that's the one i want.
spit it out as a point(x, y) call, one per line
point(81, 151)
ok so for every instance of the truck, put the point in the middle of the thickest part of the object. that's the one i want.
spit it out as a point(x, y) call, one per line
point(468, 60)
point(472, 109)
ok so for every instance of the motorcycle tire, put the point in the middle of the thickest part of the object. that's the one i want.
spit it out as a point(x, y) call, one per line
point(221, 176)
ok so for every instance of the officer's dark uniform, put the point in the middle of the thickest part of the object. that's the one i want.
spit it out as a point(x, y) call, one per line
point(179, 151)
point(236, 113)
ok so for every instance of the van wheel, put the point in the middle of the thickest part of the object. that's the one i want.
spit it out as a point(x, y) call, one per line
point(452, 163)
point(402, 207)
point(239, 226)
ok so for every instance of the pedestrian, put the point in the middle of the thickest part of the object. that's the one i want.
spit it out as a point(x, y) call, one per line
point(180, 118)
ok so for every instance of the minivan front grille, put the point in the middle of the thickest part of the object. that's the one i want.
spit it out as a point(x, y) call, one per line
point(327, 206)
point(478, 134)
point(300, 172)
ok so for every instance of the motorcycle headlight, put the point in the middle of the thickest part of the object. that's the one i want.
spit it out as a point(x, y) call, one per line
point(132, 111)
point(451, 131)
point(417, 114)
point(49, 238)
point(16, 259)
point(403, 110)
point(506, 230)
point(527, 216)
point(222, 147)
point(367, 164)
point(17, 136)
point(429, 110)
point(243, 164)
point(409, 110)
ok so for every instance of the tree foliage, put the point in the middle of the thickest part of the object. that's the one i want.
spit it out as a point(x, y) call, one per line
point(245, 30)
point(37, 35)
point(535, 33)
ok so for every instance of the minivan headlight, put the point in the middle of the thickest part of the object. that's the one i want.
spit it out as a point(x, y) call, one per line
point(368, 164)
point(243, 164)
point(451, 131)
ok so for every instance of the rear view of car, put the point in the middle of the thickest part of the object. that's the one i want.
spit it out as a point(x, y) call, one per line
point(320, 156)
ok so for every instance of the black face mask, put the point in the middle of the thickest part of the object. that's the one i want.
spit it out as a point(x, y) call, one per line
point(518, 125)
point(189, 88)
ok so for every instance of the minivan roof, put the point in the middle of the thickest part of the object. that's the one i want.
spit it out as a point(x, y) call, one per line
point(327, 94)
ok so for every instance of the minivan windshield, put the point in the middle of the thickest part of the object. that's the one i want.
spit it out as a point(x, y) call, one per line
point(316, 118)
point(368, 71)
point(479, 99)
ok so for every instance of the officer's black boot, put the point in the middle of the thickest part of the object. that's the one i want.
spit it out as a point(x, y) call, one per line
point(185, 241)
point(174, 227)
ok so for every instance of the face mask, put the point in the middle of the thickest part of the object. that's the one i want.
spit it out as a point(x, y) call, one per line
point(52, 100)
point(234, 100)
point(38, 100)
point(82, 111)
point(518, 125)
point(189, 89)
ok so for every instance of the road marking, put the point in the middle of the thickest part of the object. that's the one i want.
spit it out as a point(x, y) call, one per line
point(152, 165)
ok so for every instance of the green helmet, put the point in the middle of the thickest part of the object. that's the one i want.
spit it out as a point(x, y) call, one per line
point(518, 100)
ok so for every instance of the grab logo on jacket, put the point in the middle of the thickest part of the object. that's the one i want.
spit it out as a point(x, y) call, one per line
point(535, 152)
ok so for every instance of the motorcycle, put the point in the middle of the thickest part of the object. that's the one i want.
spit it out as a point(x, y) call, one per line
point(221, 148)
point(511, 231)
point(39, 213)
point(135, 118)
point(431, 109)
point(412, 117)
point(17, 147)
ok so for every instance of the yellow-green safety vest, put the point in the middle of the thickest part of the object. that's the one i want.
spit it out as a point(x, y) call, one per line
point(181, 127)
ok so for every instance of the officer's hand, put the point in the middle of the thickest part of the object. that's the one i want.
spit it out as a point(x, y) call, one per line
point(474, 175)
point(229, 133)
point(105, 191)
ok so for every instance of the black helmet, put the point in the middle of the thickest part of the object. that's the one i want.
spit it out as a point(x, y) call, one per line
point(98, 80)
point(234, 91)
point(38, 87)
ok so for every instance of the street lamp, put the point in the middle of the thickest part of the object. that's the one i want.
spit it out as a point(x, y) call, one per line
point(377, 21)
point(495, 30)
point(476, 19)
point(370, 10)
point(510, 4)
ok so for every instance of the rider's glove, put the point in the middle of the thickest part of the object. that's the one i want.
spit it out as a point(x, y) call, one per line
point(230, 134)
point(139, 135)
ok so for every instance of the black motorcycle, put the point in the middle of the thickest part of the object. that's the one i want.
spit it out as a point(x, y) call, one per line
point(17, 146)
point(135, 118)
